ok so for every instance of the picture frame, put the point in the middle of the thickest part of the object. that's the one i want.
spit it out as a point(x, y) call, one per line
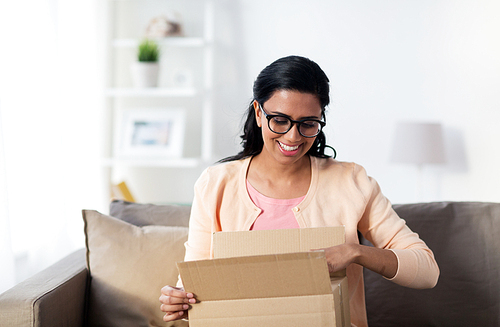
point(150, 133)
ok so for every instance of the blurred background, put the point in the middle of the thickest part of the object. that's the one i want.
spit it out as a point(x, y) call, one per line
point(65, 84)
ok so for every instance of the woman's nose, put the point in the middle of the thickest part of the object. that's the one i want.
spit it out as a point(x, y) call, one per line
point(293, 134)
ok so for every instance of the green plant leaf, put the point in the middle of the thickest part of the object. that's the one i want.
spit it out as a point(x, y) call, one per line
point(148, 51)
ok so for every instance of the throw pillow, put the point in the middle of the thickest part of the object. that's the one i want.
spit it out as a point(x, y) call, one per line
point(141, 214)
point(128, 266)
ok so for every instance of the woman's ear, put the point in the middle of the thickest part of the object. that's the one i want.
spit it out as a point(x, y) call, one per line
point(258, 113)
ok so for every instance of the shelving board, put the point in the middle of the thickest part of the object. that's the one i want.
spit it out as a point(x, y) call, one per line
point(151, 92)
point(148, 162)
point(168, 41)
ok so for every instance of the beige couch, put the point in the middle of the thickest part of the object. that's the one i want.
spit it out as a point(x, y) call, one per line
point(116, 281)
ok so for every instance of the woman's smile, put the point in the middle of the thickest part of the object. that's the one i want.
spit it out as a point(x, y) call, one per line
point(288, 150)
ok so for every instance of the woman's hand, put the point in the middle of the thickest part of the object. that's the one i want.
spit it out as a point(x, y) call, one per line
point(175, 302)
point(340, 256)
point(381, 261)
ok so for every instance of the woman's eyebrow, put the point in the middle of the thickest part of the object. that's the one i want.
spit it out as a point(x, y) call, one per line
point(301, 118)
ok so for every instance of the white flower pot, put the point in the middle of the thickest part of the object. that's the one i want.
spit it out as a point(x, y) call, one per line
point(145, 74)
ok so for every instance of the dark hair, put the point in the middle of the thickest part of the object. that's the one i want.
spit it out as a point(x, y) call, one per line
point(291, 73)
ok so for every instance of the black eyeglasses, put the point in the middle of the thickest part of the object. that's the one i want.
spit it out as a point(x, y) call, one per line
point(281, 124)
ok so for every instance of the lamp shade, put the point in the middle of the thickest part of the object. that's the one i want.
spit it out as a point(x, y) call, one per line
point(418, 143)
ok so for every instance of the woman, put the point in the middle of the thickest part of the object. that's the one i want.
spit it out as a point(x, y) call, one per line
point(283, 179)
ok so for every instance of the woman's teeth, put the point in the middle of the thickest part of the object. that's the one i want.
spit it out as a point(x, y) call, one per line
point(288, 148)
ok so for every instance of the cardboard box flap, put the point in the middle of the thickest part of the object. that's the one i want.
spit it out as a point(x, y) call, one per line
point(245, 243)
point(278, 275)
point(260, 242)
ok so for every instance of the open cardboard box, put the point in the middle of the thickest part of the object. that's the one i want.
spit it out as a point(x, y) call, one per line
point(271, 278)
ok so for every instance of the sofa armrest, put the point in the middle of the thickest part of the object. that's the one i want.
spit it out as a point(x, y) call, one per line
point(54, 297)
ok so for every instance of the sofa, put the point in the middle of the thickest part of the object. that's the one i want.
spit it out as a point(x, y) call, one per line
point(130, 253)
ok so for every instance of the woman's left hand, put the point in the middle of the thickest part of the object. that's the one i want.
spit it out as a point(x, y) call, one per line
point(340, 256)
point(381, 261)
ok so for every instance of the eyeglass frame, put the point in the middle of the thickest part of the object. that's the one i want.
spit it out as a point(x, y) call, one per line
point(293, 122)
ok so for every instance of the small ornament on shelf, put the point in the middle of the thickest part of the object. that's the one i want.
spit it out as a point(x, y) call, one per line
point(165, 26)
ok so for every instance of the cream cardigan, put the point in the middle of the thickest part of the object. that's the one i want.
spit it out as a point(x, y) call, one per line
point(340, 194)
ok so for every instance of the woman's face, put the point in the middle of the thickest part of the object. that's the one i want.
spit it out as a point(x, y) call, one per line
point(287, 148)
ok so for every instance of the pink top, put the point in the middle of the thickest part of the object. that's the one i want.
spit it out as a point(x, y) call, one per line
point(276, 213)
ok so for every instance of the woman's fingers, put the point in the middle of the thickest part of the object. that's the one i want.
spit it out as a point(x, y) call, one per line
point(175, 302)
point(173, 291)
point(165, 299)
point(169, 300)
point(340, 256)
point(171, 316)
point(169, 308)
point(176, 292)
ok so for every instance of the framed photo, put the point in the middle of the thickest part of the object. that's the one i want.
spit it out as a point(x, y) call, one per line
point(149, 132)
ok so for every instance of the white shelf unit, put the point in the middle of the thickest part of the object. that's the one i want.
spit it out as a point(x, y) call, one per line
point(121, 42)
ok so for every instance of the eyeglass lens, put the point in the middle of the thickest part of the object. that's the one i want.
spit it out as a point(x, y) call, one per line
point(283, 124)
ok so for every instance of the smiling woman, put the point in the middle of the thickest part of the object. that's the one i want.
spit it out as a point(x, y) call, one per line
point(283, 179)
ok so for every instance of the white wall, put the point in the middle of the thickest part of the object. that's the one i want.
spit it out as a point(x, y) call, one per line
point(387, 61)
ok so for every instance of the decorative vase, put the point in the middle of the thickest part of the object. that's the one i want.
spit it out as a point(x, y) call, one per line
point(145, 74)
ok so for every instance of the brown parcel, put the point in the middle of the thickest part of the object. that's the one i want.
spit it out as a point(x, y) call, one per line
point(290, 289)
point(244, 243)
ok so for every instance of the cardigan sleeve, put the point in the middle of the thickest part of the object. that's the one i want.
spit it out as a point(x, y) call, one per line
point(198, 245)
point(380, 224)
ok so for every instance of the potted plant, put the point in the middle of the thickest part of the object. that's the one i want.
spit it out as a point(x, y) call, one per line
point(145, 69)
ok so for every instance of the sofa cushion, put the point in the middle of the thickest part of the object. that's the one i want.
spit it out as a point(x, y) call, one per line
point(128, 266)
point(141, 214)
point(464, 237)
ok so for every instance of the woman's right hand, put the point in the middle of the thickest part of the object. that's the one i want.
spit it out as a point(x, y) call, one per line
point(175, 302)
